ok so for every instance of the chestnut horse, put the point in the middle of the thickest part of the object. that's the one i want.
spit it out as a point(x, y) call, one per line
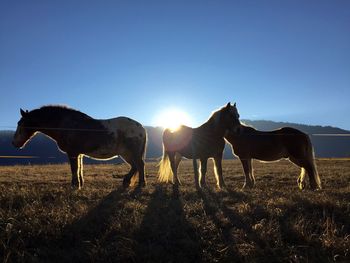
point(78, 134)
point(206, 141)
point(248, 143)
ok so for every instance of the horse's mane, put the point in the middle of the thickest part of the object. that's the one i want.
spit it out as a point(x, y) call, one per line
point(211, 120)
point(214, 113)
point(58, 109)
point(56, 106)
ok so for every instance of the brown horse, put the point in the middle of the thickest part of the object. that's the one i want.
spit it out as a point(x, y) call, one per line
point(206, 141)
point(248, 143)
point(77, 134)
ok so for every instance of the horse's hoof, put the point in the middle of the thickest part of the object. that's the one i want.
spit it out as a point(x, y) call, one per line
point(75, 187)
point(313, 188)
point(75, 184)
point(302, 185)
point(222, 188)
point(247, 186)
point(204, 185)
point(177, 183)
point(142, 184)
point(126, 183)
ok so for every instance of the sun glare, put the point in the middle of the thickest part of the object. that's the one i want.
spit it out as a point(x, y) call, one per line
point(173, 119)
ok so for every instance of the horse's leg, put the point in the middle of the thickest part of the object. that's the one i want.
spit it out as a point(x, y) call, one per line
point(312, 173)
point(129, 158)
point(174, 164)
point(196, 173)
point(309, 166)
point(178, 158)
point(141, 170)
point(203, 172)
point(129, 175)
point(301, 179)
point(73, 160)
point(251, 172)
point(139, 148)
point(218, 171)
point(80, 170)
point(247, 167)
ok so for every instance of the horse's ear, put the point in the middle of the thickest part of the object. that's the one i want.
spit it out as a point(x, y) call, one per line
point(23, 113)
point(228, 105)
point(234, 105)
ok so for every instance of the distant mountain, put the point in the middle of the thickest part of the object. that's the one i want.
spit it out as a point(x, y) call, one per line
point(44, 150)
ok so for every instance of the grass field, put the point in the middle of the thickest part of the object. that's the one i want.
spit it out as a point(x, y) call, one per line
point(43, 220)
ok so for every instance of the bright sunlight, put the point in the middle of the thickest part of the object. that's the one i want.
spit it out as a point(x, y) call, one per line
point(173, 119)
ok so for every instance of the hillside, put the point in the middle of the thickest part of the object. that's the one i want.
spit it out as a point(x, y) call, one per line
point(45, 150)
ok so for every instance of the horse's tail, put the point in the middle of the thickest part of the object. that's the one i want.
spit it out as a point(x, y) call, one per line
point(165, 174)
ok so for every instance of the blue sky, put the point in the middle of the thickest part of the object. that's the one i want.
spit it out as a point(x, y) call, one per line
point(279, 60)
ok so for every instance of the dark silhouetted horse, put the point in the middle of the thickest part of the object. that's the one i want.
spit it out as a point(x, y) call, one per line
point(206, 141)
point(77, 134)
point(248, 143)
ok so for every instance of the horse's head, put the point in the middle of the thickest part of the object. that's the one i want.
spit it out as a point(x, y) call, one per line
point(228, 117)
point(25, 130)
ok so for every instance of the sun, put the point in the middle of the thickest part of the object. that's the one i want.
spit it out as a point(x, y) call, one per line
point(172, 119)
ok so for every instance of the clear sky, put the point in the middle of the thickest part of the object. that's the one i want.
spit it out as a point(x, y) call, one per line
point(279, 60)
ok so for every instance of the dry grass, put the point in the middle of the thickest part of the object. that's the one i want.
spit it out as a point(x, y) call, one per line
point(43, 220)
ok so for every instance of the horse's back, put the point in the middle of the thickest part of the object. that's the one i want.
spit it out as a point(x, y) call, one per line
point(296, 142)
point(188, 141)
point(179, 140)
point(128, 127)
point(128, 132)
point(269, 145)
point(252, 143)
point(119, 136)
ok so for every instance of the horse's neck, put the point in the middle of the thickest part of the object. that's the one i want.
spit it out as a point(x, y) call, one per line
point(52, 125)
point(50, 128)
point(213, 128)
point(243, 129)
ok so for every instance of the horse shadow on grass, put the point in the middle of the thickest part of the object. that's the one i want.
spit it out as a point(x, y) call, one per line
point(262, 235)
point(321, 223)
point(96, 236)
point(235, 231)
point(164, 234)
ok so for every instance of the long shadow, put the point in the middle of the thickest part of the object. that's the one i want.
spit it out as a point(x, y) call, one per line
point(81, 240)
point(212, 210)
point(265, 249)
point(219, 212)
point(165, 235)
point(299, 229)
point(319, 220)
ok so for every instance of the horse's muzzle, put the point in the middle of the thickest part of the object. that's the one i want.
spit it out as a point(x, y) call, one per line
point(15, 145)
